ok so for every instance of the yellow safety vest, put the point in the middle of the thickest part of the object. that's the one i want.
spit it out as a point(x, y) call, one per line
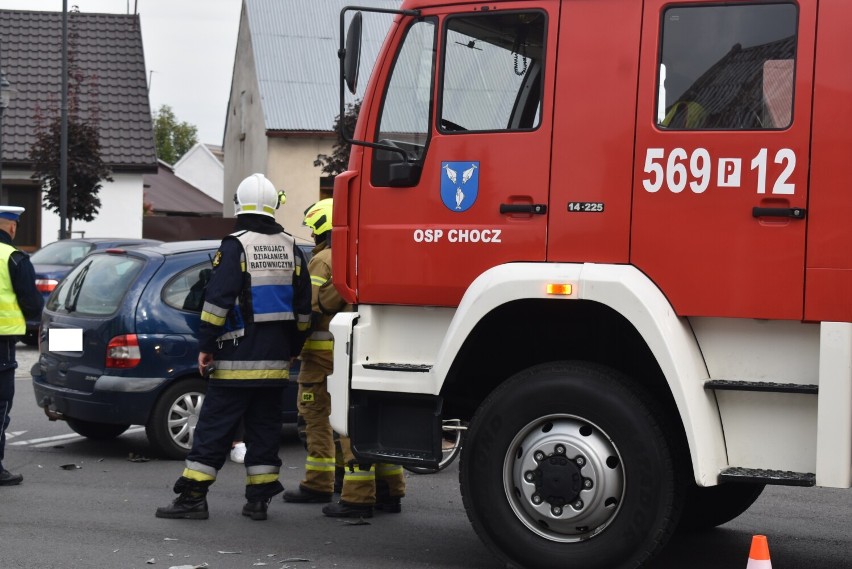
point(12, 322)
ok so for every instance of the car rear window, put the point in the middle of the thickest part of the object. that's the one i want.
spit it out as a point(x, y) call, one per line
point(96, 286)
point(66, 252)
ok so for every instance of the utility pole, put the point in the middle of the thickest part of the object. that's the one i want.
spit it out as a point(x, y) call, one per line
point(63, 136)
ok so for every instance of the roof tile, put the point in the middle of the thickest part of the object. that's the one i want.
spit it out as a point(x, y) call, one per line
point(109, 53)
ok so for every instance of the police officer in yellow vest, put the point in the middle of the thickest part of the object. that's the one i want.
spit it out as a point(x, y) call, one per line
point(255, 317)
point(19, 301)
point(365, 486)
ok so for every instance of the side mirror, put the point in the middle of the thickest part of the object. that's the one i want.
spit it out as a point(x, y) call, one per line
point(352, 59)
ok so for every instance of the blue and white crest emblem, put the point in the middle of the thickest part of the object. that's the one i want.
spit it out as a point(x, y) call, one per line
point(459, 184)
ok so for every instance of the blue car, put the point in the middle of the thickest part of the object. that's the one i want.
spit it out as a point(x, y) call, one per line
point(55, 260)
point(139, 311)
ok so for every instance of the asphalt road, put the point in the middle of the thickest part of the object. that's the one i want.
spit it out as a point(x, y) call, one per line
point(101, 515)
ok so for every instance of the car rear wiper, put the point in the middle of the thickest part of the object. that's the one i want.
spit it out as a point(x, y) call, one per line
point(76, 287)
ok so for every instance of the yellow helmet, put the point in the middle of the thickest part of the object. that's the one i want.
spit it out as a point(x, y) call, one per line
point(318, 216)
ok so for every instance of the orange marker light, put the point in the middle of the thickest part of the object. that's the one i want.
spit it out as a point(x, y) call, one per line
point(559, 288)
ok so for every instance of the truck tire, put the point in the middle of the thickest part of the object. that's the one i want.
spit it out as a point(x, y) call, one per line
point(567, 465)
point(172, 423)
point(713, 506)
point(96, 431)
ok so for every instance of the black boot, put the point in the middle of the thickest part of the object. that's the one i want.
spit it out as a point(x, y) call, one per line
point(191, 504)
point(384, 501)
point(389, 504)
point(344, 510)
point(306, 496)
point(256, 510)
point(9, 479)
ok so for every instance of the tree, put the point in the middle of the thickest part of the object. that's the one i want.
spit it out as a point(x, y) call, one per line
point(172, 138)
point(339, 159)
point(86, 169)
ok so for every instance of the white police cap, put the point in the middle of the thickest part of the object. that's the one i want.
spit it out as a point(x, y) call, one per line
point(12, 212)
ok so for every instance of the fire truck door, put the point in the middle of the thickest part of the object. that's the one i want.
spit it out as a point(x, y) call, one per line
point(722, 152)
point(467, 100)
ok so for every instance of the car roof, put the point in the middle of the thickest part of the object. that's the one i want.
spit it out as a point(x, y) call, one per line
point(111, 239)
point(102, 240)
point(177, 247)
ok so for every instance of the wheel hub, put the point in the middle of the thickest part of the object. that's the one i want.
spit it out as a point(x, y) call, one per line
point(563, 478)
point(558, 480)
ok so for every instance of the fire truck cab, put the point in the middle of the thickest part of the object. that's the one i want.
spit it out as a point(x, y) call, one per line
point(614, 236)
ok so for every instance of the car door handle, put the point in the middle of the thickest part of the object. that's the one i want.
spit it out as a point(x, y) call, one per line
point(794, 212)
point(534, 208)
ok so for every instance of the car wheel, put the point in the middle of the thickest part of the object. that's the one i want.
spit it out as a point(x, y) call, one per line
point(96, 431)
point(568, 465)
point(713, 506)
point(172, 423)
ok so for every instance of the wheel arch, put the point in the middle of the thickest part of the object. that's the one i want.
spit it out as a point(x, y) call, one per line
point(615, 316)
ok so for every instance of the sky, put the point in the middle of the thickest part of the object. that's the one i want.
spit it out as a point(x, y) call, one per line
point(189, 52)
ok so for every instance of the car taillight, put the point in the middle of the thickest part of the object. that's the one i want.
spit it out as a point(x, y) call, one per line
point(123, 352)
point(46, 285)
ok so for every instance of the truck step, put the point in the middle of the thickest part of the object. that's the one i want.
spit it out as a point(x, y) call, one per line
point(730, 385)
point(421, 368)
point(776, 477)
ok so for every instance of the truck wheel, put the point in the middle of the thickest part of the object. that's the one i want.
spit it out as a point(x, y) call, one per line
point(172, 423)
point(96, 431)
point(713, 506)
point(567, 465)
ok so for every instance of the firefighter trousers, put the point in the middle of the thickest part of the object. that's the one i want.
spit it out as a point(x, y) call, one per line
point(367, 483)
point(261, 409)
point(315, 408)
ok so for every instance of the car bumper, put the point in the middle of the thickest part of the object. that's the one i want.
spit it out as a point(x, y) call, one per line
point(119, 400)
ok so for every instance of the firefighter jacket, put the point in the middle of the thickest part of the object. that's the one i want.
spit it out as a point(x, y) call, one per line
point(325, 303)
point(256, 310)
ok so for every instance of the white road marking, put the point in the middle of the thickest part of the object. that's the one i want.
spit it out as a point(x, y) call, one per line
point(45, 442)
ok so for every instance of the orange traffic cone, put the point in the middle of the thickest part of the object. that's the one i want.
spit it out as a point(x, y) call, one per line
point(758, 557)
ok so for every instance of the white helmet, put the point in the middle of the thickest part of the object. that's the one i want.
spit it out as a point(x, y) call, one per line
point(256, 194)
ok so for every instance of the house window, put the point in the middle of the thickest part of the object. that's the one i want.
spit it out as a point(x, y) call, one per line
point(727, 67)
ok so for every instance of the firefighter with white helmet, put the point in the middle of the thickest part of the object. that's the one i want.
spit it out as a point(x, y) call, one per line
point(256, 314)
point(364, 485)
point(256, 194)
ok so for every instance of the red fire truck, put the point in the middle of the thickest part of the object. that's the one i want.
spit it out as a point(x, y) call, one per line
point(615, 236)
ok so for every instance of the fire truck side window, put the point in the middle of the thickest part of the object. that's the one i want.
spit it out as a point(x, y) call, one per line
point(727, 67)
point(404, 122)
point(493, 72)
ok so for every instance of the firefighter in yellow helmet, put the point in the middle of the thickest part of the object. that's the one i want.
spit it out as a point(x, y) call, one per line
point(364, 485)
point(255, 317)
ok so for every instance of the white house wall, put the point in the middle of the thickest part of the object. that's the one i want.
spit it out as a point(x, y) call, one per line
point(120, 214)
point(203, 170)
